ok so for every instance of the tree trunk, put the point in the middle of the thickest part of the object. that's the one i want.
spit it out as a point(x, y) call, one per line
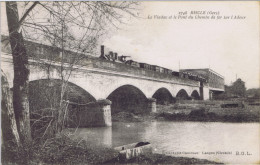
point(8, 123)
point(61, 116)
point(21, 74)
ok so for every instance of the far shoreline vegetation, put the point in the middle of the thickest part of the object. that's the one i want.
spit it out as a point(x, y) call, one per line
point(197, 111)
point(210, 111)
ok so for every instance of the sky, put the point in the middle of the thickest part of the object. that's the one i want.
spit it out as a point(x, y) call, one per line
point(230, 47)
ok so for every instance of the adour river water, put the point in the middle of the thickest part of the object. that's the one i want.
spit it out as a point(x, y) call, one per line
point(215, 141)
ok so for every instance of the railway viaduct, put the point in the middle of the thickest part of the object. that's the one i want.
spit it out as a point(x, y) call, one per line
point(101, 78)
point(124, 85)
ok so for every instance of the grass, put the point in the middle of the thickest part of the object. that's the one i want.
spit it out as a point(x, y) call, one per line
point(59, 150)
point(195, 111)
point(207, 111)
point(64, 150)
point(161, 159)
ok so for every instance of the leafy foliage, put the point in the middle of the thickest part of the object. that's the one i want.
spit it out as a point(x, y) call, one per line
point(253, 92)
point(238, 88)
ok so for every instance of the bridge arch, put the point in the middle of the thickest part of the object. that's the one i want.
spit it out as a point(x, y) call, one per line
point(195, 95)
point(45, 93)
point(163, 96)
point(128, 98)
point(182, 95)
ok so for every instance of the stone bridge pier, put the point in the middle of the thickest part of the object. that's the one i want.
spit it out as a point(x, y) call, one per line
point(94, 114)
point(98, 113)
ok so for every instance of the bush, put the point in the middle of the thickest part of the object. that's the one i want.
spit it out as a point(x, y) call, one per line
point(61, 149)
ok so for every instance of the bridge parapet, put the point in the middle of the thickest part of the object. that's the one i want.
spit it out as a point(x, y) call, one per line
point(102, 64)
point(37, 51)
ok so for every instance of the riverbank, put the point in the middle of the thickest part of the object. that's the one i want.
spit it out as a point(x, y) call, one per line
point(162, 159)
point(204, 111)
point(60, 150)
point(66, 151)
point(207, 112)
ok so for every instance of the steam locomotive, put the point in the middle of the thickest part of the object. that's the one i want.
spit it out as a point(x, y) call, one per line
point(128, 61)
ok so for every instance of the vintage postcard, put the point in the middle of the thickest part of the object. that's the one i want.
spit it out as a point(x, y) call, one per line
point(126, 82)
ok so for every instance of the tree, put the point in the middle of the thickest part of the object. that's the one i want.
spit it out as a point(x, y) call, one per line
point(21, 74)
point(253, 92)
point(238, 88)
point(8, 123)
point(74, 26)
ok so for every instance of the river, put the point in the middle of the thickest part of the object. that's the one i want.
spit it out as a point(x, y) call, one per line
point(215, 141)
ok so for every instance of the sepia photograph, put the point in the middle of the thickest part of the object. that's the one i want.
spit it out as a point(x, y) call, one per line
point(130, 82)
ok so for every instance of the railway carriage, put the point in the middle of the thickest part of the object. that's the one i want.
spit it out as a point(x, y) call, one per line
point(132, 63)
point(145, 66)
point(155, 68)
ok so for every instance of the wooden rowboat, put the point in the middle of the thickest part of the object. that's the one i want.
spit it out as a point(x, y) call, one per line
point(133, 150)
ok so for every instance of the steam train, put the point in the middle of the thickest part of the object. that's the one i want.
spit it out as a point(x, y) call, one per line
point(128, 61)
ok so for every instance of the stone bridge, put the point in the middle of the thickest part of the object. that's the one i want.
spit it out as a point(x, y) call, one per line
point(101, 82)
point(124, 85)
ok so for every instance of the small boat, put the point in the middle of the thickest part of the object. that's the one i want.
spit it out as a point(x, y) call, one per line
point(133, 150)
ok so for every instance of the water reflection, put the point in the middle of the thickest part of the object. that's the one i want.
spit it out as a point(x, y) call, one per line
point(97, 135)
point(187, 139)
